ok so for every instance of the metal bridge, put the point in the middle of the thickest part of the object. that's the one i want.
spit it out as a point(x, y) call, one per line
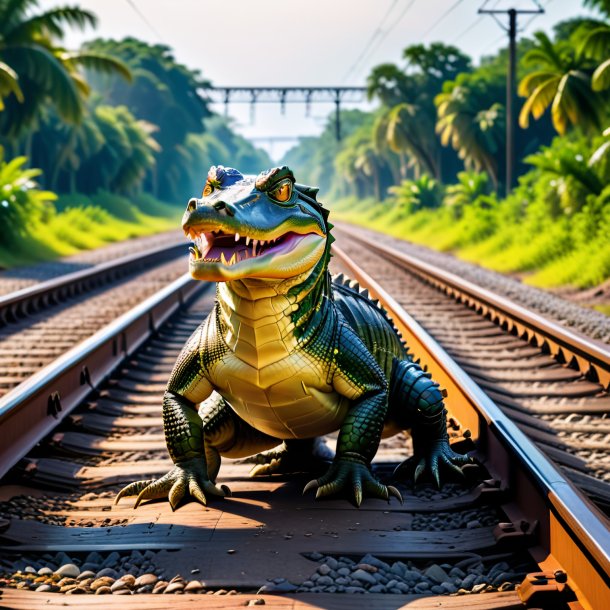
point(287, 95)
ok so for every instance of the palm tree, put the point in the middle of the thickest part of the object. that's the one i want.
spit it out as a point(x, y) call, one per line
point(34, 70)
point(563, 82)
point(595, 45)
point(475, 132)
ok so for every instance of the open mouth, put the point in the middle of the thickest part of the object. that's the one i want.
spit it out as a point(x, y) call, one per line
point(232, 248)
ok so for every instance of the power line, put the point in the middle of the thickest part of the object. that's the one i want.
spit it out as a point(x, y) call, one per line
point(390, 29)
point(144, 19)
point(445, 14)
point(378, 31)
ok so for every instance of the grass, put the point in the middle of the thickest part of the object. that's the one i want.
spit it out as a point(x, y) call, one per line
point(79, 222)
point(552, 253)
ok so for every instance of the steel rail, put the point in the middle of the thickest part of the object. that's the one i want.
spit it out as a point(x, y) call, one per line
point(591, 357)
point(573, 535)
point(21, 303)
point(33, 409)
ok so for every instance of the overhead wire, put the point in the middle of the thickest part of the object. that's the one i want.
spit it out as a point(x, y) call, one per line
point(378, 31)
point(143, 17)
point(388, 31)
point(442, 17)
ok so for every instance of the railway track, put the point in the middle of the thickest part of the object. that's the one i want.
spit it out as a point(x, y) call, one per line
point(40, 322)
point(91, 422)
point(551, 381)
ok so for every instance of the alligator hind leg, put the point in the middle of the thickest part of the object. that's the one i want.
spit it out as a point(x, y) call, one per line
point(416, 402)
point(226, 434)
point(294, 455)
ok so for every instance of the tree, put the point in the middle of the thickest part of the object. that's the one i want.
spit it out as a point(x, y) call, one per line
point(562, 81)
point(34, 70)
point(470, 187)
point(164, 93)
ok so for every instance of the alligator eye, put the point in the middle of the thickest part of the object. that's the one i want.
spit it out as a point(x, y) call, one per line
point(282, 192)
point(208, 189)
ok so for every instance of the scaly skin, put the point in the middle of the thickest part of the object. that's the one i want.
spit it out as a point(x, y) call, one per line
point(287, 354)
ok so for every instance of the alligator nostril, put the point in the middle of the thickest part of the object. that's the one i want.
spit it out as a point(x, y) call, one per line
point(219, 205)
point(192, 205)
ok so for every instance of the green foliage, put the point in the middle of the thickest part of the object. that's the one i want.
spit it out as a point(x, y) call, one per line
point(553, 227)
point(414, 195)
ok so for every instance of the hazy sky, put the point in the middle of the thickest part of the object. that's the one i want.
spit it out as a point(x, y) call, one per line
point(305, 42)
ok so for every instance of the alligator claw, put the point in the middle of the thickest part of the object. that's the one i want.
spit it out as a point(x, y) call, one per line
point(352, 480)
point(183, 480)
point(438, 455)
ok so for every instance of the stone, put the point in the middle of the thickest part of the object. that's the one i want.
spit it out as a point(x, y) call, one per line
point(315, 556)
point(160, 586)
point(111, 560)
point(256, 602)
point(68, 570)
point(374, 561)
point(45, 571)
point(422, 586)
point(456, 573)
point(398, 568)
point(107, 572)
point(344, 571)
point(367, 567)
point(355, 590)
point(146, 579)
point(43, 588)
point(324, 581)
point(437, 589)
point(468, 581)
point(193, 586)
point(77, 591)
point(436, 573)
point(478, 588)
point(122, 592)
point(449, 587)
point(103, 591)
point(402, 587)
point(117, 585)
point(412, 575)
point(324, 569)
point(128, 579)
point(377, 589)
point(473, 524)
point(363, 576)
point(84, 575)
point(174, 587)
point(332, 563)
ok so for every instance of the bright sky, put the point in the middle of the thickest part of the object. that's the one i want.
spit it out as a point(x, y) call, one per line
point(305, 42)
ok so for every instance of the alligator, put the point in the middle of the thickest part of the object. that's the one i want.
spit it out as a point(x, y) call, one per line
point(288, 354)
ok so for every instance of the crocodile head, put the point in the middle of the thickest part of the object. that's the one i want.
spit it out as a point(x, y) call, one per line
point(266, 227)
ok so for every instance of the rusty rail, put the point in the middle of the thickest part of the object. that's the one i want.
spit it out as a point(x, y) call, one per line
point(33, 408)
point(26, 301)
point(572, 535)
point(591, 357)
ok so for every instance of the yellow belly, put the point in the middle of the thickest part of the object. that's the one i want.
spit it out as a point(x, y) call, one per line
point(289, 398)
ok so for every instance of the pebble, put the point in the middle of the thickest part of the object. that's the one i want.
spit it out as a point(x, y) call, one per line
point(193, 585)
point(45, 571)
point(43, 588)
point(324, 569)
point(105, 590)
point(86, 574)
point(256, 602)
point(69, 570)
point(107, 572)
point(364, 576)
point(437, 574)
point(146, 579)
point(173, 587)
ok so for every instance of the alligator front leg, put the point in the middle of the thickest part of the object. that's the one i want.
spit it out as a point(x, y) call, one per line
point(418, 403)
point(357, 377)
point(189, 476)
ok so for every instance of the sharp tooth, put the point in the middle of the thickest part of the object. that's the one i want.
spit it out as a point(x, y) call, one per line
point(233, 259)
point(247, 241)
point(236, 236)
point(254, 244)
point(223, 259)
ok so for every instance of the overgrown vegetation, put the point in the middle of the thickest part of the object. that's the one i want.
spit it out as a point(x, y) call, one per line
point(429, 165)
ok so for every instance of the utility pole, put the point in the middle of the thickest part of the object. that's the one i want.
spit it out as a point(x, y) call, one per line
point(511, 93)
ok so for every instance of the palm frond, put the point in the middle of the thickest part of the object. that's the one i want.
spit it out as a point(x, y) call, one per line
point(100, 62)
